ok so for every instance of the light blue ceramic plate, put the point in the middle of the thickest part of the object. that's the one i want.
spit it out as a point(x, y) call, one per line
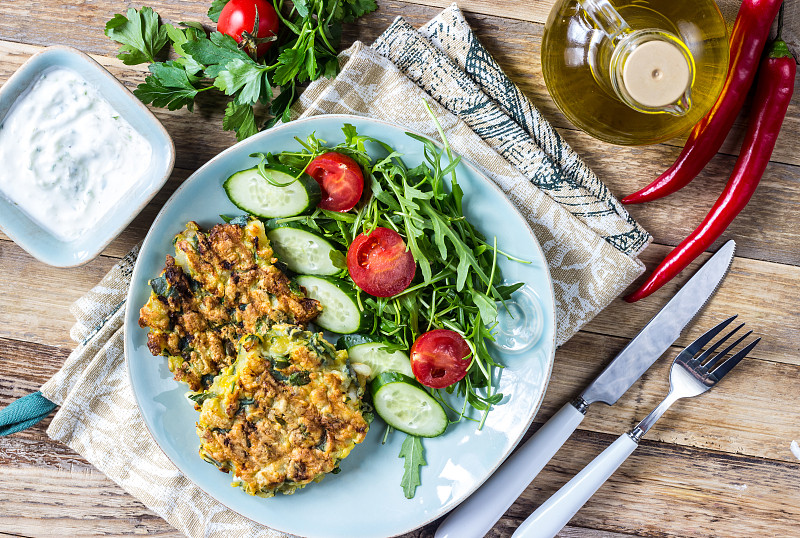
point(25, 231)
point(365, 499)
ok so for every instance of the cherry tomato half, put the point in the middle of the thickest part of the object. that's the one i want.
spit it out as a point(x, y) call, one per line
point(240, 16)
point(340, 179)
point(379, 263)
point(440, 358)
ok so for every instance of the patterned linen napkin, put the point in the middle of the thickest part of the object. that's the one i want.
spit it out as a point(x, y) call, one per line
point(589, 240)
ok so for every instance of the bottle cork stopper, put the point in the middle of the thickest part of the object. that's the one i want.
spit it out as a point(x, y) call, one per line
point(656, 73)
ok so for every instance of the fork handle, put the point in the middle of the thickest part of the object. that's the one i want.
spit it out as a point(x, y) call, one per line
point(475, 516)
point(556, 512)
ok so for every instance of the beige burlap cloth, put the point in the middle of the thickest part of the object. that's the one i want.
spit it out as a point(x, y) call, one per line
point(589, 241)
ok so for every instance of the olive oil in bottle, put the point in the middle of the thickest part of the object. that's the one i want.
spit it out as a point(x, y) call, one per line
point(635, 72)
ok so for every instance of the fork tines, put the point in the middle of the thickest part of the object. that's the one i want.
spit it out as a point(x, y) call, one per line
point(720, 371)
point(710, 365)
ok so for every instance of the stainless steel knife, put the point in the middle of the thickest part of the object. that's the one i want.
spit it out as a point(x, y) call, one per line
point(476, 515)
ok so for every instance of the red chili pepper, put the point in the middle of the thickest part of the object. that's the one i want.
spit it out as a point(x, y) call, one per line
point(750, 32)
point(774, 91)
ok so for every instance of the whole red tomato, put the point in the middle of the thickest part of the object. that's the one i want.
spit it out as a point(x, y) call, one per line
point(240, 16)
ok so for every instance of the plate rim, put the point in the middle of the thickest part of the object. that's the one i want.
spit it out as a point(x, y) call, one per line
point(547, 375)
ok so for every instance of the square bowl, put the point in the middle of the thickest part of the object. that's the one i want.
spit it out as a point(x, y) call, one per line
point(26, 231)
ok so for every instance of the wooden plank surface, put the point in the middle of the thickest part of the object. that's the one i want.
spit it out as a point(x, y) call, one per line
point(510, 30)
point(731, 476)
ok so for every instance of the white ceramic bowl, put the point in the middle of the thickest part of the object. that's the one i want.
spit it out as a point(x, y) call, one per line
point(25, 231)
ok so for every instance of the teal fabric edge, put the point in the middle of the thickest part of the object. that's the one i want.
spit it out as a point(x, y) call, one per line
point(23, 413)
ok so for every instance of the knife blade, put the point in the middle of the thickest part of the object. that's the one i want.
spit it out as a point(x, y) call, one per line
point(477, 514)
point(661, 331)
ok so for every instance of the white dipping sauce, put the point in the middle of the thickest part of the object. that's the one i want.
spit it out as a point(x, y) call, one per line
point(67, 156)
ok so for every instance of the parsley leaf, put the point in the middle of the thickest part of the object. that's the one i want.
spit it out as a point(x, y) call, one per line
point(247, 80)
point(279, 108)
point(331, 68)
point(215, 52)
point(179, 37)
point(290, 61)
point(140, 35)
point(216, 9)
point(168, 87)
point(241, 119)
point(352, 9)
point(412, 451)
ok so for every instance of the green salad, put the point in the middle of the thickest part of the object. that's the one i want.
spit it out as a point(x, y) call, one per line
point(409, 284)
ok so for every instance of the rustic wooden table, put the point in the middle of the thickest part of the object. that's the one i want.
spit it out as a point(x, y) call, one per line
point(719, 465)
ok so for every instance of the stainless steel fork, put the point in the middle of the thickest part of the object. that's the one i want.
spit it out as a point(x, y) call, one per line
point(692, 374)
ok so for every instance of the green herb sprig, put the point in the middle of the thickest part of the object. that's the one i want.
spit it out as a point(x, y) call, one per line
point(413, 455)
point(263, 89)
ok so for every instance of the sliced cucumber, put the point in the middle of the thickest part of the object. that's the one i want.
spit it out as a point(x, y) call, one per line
point(375, 355)
point(251, 192)
point(406, 406)
point(346, 341)
point(303, 251)
point(340, 312)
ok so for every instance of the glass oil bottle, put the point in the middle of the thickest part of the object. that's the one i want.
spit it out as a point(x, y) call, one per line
point(635, 72)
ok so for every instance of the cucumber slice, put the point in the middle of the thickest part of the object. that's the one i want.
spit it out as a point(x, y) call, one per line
point(340, 312)
point(249, 191)
point(375, 355)
point(303, 251)
point(346, 341)
point(406, 406)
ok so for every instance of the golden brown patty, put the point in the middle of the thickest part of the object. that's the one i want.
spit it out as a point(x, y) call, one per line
point(219, 286)
point(284, 414)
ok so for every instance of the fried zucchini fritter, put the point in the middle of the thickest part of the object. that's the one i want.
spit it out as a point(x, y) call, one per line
point(219, 286)
point(284, 414)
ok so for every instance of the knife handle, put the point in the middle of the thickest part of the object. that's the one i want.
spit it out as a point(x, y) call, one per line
point(556, 511)
point(478, 514)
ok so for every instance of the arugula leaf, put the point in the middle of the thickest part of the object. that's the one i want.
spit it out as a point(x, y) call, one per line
point(168, 87)
point(486, 307)
point(216, 9)
point(240, 119)
point(140, 35)
point(413, 453)
point(506, 291)
point(338, 259)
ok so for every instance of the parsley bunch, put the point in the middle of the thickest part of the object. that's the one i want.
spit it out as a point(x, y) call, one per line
point(262, 89)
